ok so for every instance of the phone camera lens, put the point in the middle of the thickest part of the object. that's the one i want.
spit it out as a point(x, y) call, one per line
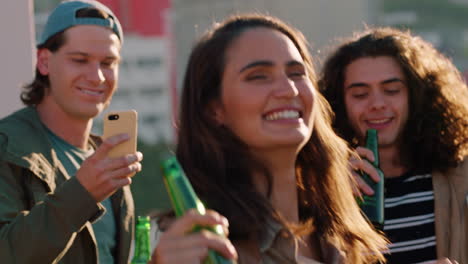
point(113, 117)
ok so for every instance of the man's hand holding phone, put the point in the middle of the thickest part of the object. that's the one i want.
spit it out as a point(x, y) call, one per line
point(116, 160)
point(102, 175)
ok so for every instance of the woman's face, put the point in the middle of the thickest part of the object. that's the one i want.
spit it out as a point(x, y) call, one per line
point(267, 97)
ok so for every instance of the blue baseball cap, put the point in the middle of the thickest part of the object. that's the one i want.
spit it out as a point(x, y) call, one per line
point(64, 17)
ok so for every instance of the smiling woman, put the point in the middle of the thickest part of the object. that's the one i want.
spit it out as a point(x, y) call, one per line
point(256, 143)
point(266, 100)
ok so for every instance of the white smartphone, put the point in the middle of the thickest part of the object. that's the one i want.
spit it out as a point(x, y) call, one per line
point(122, 122)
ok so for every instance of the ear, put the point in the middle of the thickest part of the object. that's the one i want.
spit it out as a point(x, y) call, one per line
point(43, 56)
point(216, 110)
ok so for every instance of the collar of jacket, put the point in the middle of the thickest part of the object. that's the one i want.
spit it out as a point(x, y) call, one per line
point(24, 142)
point(278, 238)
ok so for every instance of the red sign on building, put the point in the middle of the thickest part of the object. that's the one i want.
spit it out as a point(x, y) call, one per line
point(144, 17)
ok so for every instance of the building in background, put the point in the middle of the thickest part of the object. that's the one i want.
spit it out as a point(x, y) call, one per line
point(145, 82)
point(444, 23)
point(320, 21)
point(159, 35)
point(144, 85)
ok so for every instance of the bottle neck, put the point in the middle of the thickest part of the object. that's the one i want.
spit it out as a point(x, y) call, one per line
point(142, 244)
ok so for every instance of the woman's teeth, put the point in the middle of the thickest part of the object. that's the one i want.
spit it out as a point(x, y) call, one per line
point(91, 92)
point(379, 121)
point(287, 114)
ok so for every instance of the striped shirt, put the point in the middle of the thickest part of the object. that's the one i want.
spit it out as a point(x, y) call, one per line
point(409, 219)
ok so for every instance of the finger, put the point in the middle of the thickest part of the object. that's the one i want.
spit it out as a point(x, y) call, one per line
point(366, 189)
point(220, 244)
point(128, 171)
point(365, 153)
point(119, 183)
point(355, 163)
point(110, 164)
point(355, 185)
point(109, 143)
point(192, 246)
point(217, 243)
point(218, 216)
point(446, 261)
point(189, 256)
point(225, 230)
point(442, 261)
point(370, 170)
point(166, 254)
point(186, 223)
point(205, 239)
point(364, 166)
point(111, 187)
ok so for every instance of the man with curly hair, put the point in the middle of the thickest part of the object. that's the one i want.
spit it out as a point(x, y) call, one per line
point(400, 85)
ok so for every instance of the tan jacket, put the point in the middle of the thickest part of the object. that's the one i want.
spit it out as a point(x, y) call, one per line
point(451, 213)
point(278, 246)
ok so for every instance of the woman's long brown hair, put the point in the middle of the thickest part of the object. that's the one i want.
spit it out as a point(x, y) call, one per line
point(221, 167)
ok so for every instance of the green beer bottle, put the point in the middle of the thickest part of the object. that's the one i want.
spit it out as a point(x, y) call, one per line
point(373, 205)
point(183, 198)
point(142, 241)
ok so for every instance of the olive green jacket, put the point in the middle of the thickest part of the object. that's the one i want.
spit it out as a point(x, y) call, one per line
point(451, 212)
point(45, 214)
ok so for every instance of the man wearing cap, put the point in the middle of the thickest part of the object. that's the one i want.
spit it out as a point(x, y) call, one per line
point(61, 199)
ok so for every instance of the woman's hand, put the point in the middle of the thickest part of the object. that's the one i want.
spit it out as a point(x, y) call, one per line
point(445, 261)
point(179, 245)
point(361, 163)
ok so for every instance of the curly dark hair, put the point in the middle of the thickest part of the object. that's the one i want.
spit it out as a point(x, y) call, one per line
point(34, 92)
point(435, 136)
